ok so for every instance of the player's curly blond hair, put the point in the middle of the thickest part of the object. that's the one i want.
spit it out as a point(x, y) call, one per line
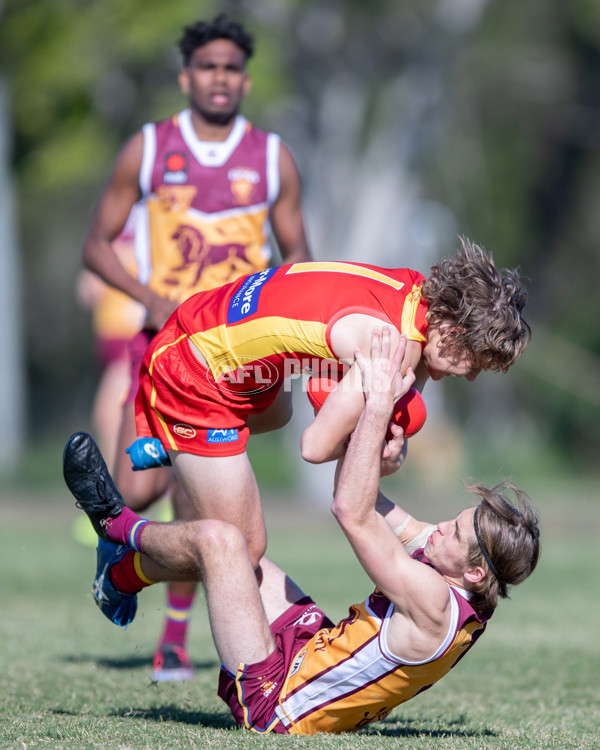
point(481, 306)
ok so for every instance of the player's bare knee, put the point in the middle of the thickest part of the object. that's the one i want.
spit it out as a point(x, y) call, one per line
point(214, 537)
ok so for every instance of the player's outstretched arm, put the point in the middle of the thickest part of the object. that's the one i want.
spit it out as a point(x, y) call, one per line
point(357, 502)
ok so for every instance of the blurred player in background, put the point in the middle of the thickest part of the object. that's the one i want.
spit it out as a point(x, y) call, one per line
point(286, 668)
point(212, 186)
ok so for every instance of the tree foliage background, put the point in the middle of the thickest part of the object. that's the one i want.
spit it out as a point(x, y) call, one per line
point(413, 122)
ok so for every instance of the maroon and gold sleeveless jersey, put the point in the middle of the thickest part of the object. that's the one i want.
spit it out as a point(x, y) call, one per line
point(345, 677)
point(207, 205)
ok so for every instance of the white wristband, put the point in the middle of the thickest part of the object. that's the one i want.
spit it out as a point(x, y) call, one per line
point(399, 529)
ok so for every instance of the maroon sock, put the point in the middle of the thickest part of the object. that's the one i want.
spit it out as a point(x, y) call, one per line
point(126, 528)
point(178, 613)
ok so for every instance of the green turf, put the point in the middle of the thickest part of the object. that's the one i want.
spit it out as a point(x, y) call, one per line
point(71, 679)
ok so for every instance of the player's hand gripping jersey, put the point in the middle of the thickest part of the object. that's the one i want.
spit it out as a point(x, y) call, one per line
point(252, 334)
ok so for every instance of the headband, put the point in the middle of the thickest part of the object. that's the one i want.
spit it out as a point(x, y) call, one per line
point(484, 552)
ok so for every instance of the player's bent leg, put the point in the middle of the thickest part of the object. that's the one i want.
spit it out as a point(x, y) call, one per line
point(237, 617)
point(217, 553)
point(224, 488)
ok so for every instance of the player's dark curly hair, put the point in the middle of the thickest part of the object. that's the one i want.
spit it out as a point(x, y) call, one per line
point(482, 307)
point(510, 535)
point(202, 32)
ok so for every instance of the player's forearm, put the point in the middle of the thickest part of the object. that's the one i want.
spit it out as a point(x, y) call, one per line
point(393, 514)
point(326, 438)
point(358, 484)
point(298, 254)
point(405, 526)
point(99, 257)
point(317, 448)
point(292, 243)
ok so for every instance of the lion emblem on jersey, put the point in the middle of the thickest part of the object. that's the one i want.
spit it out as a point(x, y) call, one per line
point(243, 183)
point(196, 254)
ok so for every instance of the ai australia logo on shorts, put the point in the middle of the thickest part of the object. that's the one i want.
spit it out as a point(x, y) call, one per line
point(222, 436)
point(245, 301)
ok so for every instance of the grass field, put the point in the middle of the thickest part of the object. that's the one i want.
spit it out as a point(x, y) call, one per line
point(71, 679)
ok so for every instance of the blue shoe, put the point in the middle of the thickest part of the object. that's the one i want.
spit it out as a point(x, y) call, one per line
point(118, 607)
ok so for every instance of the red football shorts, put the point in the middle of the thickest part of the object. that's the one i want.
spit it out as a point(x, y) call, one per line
point(252, 695)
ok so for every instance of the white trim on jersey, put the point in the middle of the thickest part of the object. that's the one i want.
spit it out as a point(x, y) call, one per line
point(210, 153)
point(273, 184)
point(273, 179)
point(142, 245)
point(148, 157)
point(450, 635)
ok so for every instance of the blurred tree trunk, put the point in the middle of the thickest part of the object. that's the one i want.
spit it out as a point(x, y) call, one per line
point(11, 330)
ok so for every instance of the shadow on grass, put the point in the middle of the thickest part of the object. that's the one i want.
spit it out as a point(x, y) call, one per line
point(164, 714)
point(129, 662)
point(405, 729)
point(178, 715)
point(420, 728)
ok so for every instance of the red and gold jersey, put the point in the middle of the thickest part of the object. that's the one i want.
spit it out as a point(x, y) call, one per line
point(253, 334)
point(288, 312)
point(346, 677)
point(207, 205)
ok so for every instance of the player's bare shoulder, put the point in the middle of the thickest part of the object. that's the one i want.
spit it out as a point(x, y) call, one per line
point(354, 331)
